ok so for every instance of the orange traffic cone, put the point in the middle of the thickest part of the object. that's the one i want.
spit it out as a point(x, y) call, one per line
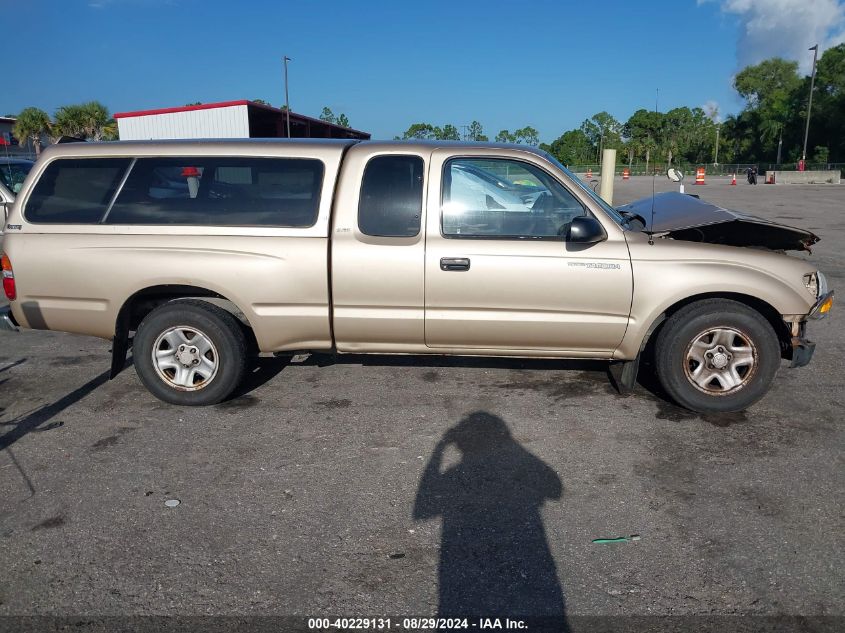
point(626, 174)
point(589, 172)
point(733, 179)
point(699, 176)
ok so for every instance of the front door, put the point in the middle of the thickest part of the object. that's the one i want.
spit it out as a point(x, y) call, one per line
point(499, 272)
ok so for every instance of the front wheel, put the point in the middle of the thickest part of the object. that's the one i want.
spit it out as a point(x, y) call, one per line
point(190, 352)
point(717, 356)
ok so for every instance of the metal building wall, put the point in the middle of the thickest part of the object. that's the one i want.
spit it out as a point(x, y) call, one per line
point(227, 122)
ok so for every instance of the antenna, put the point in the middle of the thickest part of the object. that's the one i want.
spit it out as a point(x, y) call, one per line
point(650, 231)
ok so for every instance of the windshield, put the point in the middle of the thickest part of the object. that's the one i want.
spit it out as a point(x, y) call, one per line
point(12, 174)
point(613, 213)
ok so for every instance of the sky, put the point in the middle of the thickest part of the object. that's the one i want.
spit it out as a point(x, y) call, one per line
point(388, 64)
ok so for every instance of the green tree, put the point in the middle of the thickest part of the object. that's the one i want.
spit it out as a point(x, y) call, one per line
point(449, 133)
point(426, 131)
point(69, 121)
point(739, 136)
point(523, 136)
point(603, 130)
point(771, 91)
point(476, 132)
point(821, 154)
point(504, 136)
point(827, 127)
point(30, 125)
point(327, 115)
point(527, 136)
point(90, 121)
point(688, 134)
point(571, 148)
point(98, 124)
point(342, 121)
point(644, 131)
point(420, 131)
point(260, 102)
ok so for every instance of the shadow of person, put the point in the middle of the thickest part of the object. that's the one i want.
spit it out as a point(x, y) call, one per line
point(494, 559)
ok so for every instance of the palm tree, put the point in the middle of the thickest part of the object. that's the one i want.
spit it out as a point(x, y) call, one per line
point(31, 124)
point(90, 121)
point(110, 132)
point(96, 120)
point(70, 121)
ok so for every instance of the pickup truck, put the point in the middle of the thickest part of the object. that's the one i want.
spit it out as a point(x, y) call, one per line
point(200, 253)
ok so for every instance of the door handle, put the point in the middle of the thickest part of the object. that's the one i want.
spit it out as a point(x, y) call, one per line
point(454, 263)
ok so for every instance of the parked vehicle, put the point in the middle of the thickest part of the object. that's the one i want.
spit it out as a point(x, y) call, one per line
point(203, 252)
point(13, 172)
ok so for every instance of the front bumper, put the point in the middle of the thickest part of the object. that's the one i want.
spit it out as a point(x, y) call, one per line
point(802, 351)
point(7, 321)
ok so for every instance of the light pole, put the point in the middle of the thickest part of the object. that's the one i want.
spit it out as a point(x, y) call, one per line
point(716, 149)
point(815, 50)
point(287, 101)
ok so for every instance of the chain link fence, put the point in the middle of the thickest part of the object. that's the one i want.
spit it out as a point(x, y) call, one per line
point(27, 155)
point(726, 169)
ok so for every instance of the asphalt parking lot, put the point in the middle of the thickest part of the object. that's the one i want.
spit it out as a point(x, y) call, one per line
point(317, 492)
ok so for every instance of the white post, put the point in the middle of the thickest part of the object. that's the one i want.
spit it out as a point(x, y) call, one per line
point(608, 170)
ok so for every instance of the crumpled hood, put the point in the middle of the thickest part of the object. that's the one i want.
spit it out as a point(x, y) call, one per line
point(685, 217)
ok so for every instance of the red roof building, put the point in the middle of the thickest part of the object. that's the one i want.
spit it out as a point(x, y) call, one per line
point(227, 119)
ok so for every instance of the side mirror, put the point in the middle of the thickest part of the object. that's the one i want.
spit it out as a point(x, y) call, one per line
point(675, 175)
point(586, 229)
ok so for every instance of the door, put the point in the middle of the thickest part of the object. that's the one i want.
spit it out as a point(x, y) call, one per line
point(499, 271)
point(378, 251)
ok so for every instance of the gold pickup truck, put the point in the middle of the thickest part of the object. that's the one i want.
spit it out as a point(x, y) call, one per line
point(199, 253)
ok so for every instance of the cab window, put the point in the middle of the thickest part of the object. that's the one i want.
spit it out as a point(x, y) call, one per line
point(391, 196)
point(505, 199)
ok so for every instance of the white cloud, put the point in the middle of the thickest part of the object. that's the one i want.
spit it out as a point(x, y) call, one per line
point(711, 109)
point(785, 28)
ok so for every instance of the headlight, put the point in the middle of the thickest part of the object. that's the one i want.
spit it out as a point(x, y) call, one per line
point(823, 289)
point(811, 280)
point(816, 283)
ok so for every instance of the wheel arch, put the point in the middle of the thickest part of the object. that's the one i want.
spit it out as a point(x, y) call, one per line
point(143, 301)
point(765, 309)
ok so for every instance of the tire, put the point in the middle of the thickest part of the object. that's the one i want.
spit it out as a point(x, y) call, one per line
point(207, 370)
point(738, 350)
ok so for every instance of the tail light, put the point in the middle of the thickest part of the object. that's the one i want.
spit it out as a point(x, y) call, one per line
point(8, 278)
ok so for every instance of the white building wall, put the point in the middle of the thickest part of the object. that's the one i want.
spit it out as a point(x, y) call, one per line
point(225, 122)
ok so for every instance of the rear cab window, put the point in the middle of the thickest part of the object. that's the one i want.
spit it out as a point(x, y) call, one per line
point(190, 191)
point(391, 196)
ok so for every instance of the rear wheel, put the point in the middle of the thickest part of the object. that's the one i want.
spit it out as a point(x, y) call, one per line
point(717, 356)
point(190, 352)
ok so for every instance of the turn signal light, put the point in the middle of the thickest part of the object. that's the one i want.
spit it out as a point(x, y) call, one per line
point(8, 278)
point(826, 306)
